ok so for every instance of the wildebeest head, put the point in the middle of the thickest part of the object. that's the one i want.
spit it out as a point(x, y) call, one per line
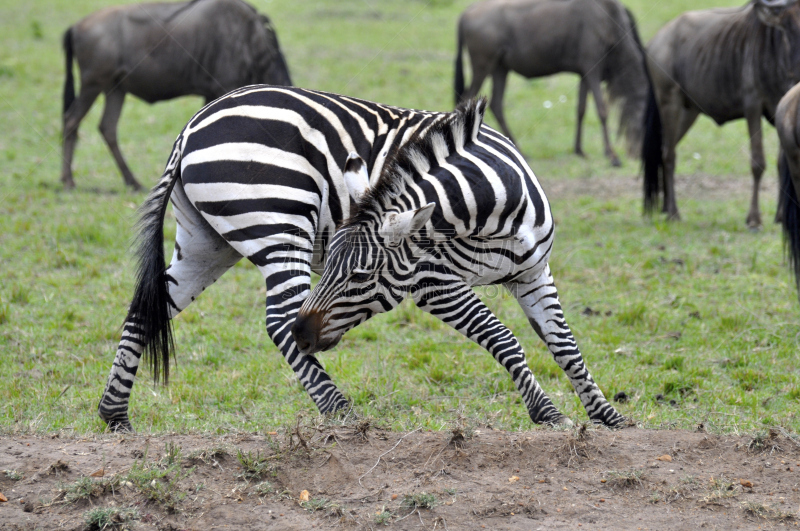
point(773, 12)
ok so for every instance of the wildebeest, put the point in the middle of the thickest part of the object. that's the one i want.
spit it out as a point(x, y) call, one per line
point(596, 39)
point(787, 122)
point(162, 51)
point(725, 63)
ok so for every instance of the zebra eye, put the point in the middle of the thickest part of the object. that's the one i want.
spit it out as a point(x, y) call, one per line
point(360, 276)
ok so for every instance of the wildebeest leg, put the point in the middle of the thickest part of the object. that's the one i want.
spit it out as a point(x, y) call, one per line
point(583, 92)
point(108, 128)
point(481, 67)
point(201, 256)
point(602, 112)
point(72, 119)
point(498, 90)
point(539, 300)
point(757, 164)
point(457, 305)
point(676, 120)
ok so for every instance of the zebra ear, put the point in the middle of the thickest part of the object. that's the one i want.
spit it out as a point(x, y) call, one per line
point(356, 177)
point(400, 226)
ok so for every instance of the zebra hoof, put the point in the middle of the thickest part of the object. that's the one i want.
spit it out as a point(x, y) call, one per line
point(617, 422)
point(561, 423)
point(120, 426)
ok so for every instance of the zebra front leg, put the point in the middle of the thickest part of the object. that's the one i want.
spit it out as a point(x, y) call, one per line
point(456, 304)
point(201, 256)
point(286, 291)
point(539, 300)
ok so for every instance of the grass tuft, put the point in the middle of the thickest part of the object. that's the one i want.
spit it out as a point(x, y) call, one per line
point(253, 465)
point(720, 489)
point(767, 512)
point(111, 518)
point(13, 475)
point(624, 479)
point(419, 500)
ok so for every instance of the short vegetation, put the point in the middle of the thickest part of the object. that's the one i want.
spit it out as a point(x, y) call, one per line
point(693, 321)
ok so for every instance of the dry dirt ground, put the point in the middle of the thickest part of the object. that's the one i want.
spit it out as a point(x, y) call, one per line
point(361, 477)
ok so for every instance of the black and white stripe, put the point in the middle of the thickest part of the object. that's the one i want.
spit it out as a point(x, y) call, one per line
point(257, 173)
point(457, 207)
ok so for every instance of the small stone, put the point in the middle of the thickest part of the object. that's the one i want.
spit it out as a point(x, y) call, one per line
point(304, 496)
point(394, 497)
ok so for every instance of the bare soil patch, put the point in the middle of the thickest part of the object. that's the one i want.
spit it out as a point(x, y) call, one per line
point(361, 477)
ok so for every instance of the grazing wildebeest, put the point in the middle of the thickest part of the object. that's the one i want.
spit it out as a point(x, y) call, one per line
point(162, 51)
point(787, 122)
point(596, 39)
point(727, 64)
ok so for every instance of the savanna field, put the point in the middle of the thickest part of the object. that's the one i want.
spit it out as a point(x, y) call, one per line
point(695, 321)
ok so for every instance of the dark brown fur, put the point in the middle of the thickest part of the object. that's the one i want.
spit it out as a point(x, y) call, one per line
point(596, 39)
point(162, 51)
point(727, 64)
point(787, 122)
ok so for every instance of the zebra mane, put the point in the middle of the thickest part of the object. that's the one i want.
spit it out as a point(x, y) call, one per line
point(425, 150)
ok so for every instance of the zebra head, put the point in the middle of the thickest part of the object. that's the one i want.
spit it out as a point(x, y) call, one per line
point(370, 268)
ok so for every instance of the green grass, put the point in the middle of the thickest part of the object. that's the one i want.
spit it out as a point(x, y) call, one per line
point(702, 312)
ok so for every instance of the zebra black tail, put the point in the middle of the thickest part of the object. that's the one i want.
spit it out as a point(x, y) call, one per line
point(69, 81)
point(791, 217)
point(150, 308)
point(459, 80)
point(652, 161)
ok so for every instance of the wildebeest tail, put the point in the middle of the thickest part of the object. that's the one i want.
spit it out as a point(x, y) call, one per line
point(791, 217)
point(627, 80)
point(69, 81)
point(652, 161)
point(150, 308)
point(459, 80)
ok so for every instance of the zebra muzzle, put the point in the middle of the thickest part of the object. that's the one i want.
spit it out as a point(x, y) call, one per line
point(306, 333)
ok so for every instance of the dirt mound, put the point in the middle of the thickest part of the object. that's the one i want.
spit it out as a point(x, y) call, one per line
point(361, 477)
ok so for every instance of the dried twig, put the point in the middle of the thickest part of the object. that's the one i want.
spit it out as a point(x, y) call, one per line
point(384, 453)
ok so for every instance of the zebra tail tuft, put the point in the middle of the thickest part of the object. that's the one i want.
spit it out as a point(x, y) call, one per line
point(150, 308)
point(652, 161)
point(791, 217)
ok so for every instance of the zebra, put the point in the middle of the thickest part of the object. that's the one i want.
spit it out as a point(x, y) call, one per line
point(256, 174)
point(456, 207)
point(253, 174)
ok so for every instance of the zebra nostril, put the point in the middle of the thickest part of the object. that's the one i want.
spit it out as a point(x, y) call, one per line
point(303, 335)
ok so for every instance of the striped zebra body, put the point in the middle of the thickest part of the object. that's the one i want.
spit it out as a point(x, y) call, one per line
point(256, 174)
point(457, 207)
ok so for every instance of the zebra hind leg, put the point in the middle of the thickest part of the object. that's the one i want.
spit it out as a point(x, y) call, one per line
point(456, 304)
point(201, 256)
point(539, 300)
